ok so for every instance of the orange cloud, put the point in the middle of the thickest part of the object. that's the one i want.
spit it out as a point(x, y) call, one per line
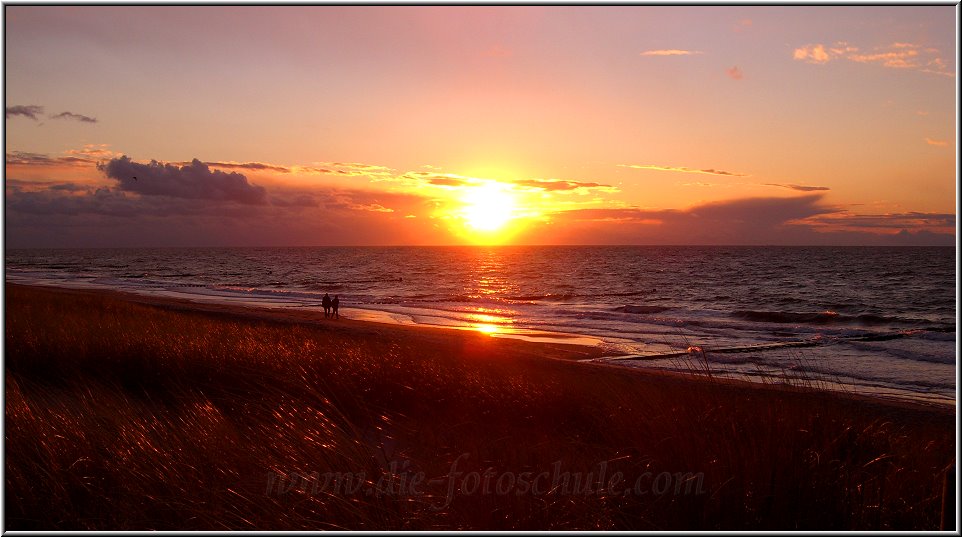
point(93, 150)
point(800, 188)
point(681, 169)
point(670, 52)
point(735, 73)
point(898, 55)
point(938, 143)
point(812, 54)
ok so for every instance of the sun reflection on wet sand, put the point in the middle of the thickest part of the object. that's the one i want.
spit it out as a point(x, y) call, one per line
point(488, 323)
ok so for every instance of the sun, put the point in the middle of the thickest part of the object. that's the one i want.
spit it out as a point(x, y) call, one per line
point(488, 207)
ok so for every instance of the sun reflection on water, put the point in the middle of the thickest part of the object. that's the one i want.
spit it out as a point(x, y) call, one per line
point(489, 324)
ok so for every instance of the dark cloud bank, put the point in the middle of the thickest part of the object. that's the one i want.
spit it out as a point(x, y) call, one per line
point(798, 220)
point(193, 205)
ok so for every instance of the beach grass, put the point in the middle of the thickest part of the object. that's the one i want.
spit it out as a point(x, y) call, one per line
point(126, 416)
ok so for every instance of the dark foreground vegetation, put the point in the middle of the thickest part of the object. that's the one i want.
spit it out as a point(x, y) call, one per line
point(122, 415)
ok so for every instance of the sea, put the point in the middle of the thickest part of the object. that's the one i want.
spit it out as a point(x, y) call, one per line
point(877, 321)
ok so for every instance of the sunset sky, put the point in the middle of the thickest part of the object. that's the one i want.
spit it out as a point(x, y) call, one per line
point(250, 126)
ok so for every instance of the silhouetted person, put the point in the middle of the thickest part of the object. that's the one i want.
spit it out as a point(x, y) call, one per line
point(334, 304)
point(326, 302)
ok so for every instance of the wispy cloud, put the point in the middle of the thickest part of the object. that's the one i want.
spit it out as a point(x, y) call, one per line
point(554, 185)
point(800, 188)
point(670, 52)
point(703, 184)
point(898, 55)
point(24, 158)
point(31, 111)
point(93, 150)
point(346, 169)
point(681, 169)
point(76, 117)
point(34, 112)
point(890, 221)
point(437, 179)
point(252, 166)
point(735, 73)
point(937, 143)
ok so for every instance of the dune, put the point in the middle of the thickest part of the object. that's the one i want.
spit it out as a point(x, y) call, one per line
point(128, 412)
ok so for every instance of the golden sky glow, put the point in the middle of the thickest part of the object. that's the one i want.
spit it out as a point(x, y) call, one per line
point(480, 125)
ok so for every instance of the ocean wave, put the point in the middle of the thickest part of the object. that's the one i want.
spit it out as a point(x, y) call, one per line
point(823, 317)
point(544, 296)
point(642, 309)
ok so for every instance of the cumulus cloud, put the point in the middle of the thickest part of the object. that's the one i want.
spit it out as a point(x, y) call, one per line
point(670, 52)
point(812, 54)
point(298, 200)
point(193, 181)
point(31, 111)
point(898, 55)
point(735, 73)
point(801, 188)
point(681, 169)
point(77, 117)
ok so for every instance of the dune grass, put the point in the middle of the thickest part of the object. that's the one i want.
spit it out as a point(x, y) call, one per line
point(128, 416)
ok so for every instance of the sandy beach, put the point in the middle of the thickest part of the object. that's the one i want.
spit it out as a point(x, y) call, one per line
point(132, 412)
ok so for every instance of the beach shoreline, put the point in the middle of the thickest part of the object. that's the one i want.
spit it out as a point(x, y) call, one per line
point(659, 305)
point(587, 355)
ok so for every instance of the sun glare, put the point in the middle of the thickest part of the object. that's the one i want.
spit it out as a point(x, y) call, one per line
point(488, 207)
